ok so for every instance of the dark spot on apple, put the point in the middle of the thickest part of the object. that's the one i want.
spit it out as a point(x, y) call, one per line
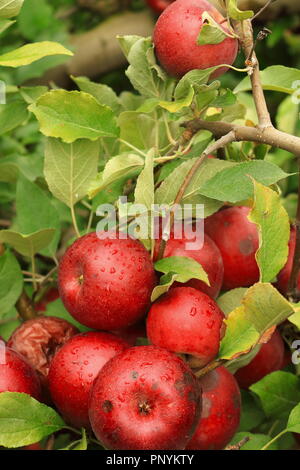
point(107, 406)
point(246, 247)
point(135, 375)
point(155, 386)
point(210, 380)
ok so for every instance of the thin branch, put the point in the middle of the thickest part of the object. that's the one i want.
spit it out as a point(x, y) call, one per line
point(269, 136)
point(262, 9)
point(25, 307)
point(239, 445)
point(245, 32)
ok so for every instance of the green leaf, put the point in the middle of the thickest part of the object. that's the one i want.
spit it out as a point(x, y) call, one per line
point(140, 130)
point(24, 421)
point(79, 444)
point(293, 424)
point(256, 441)
point(211, 31)
point(231, 299)
point(233, 184)
point(168, 190)
point(31, 52)
point(278, 392)
point(103, 93)
point(70, 168)
point(27, 245)
point(241, 335)
point(144, 190)
point(121, 167)
point(287, 116)
point(144, 74)
point(5, 24)
point(12, 115)
point(252, 414)
point(73, 115)
point(9, 171)
point(274, 231)
point(10, 8)
point(186, 268)
point(265, 306)
point(262, 308)
point(35, 212)
point(236, 14)
point(164, 285)
point(32, 93)
point(275, 78)
point(11, 281)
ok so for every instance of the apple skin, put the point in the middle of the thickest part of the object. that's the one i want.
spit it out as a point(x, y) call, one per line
point(284, 275)
point(208, 256)
point(175, 39)
point(269, 359)
point(187, 321)
point(106, 284)
point(158, 6)
point(237, 239)
point(146, 398)
point(221, 410)
point(16, 375)
point(75, 367)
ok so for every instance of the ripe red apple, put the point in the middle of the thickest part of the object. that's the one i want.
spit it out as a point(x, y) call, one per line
point(269, 359)
point(284, 275)
point(175, 39)
point(237, 239)
point(221, 410)
point(74, 368)
point(16, 375)
point(208, 256)
point(159, 5)
point(145, 398)
point(187, 321)
point(106, 283)
point(39, 339)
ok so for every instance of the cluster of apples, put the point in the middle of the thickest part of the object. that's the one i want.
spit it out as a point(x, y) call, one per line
point(144, 397)
point(148, 397)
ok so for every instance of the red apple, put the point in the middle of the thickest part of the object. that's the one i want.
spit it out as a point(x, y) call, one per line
point(159, 5)
point(175, 39)
point(208, 256)
point(237, 239)
point(145, 398)
point(269, 359)
point(106, 283)
point(75, 367)
point(221, 410)
point(284, 275)
point(39, 339)
point(16, 375)
point(187, 321)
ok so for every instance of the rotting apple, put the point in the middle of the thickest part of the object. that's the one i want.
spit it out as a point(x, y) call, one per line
point(175, 39)
point(38, 340)
point(104, 282)
point(145, 398)
point(187, 321)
